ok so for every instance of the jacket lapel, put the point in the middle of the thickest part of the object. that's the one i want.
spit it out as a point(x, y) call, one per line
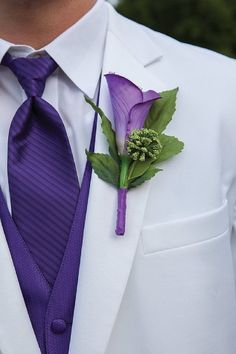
point(16, 332)
point(107, 259)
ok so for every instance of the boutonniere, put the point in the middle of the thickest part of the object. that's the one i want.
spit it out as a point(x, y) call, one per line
point(137, 143)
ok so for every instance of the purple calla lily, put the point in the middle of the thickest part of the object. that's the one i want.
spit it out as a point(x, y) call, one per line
point(130, 106)
point(135, 141)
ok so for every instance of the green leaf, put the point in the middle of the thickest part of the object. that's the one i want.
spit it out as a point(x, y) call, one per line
point(138, 168)
point(162, 111)
point(170, 146)
point(105, 167)
point(107, 130)
point(150, 172)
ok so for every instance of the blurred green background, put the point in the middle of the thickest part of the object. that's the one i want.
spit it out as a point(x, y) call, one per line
point(206, 23)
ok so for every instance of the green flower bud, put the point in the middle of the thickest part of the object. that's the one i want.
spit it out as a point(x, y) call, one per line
point(143, 144)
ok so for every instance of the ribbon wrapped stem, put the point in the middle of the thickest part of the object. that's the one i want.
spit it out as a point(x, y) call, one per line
point(121, 212)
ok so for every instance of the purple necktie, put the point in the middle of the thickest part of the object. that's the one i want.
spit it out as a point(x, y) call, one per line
point(42, 176)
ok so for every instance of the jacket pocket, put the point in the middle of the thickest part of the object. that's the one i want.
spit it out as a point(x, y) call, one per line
point(187, 231)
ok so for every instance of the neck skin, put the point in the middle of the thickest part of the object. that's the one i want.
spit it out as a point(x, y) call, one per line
point(37, 22)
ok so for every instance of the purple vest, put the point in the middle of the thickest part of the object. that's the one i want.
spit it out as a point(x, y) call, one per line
point(50, 309)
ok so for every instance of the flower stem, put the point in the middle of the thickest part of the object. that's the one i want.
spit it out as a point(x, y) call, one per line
point(125, 162)
point(121, 212)
point(122, 195)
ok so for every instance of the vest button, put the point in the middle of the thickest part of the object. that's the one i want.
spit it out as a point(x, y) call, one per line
point(58, 326)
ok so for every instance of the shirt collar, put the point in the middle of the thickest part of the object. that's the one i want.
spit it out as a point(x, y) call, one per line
point(78, 51)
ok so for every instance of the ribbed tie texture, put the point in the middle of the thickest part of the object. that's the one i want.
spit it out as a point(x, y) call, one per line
point(42, 177)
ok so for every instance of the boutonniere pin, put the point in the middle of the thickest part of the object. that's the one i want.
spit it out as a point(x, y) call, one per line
point(137, 143)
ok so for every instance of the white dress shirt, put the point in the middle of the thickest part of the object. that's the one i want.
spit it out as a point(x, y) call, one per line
point(79, 54)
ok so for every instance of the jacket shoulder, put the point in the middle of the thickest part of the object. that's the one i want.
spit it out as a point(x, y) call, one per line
point(198, 52)
point(204, 59)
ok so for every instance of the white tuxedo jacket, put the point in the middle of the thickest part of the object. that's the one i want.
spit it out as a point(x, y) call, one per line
point(168, 285)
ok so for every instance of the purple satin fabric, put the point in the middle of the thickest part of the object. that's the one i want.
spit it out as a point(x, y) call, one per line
point(42, 177)
point(121, 211)
point(50, 308)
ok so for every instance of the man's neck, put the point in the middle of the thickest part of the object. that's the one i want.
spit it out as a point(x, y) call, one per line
point(37, 22)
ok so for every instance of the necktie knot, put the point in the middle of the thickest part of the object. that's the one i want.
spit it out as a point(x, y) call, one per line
point(31, 73)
